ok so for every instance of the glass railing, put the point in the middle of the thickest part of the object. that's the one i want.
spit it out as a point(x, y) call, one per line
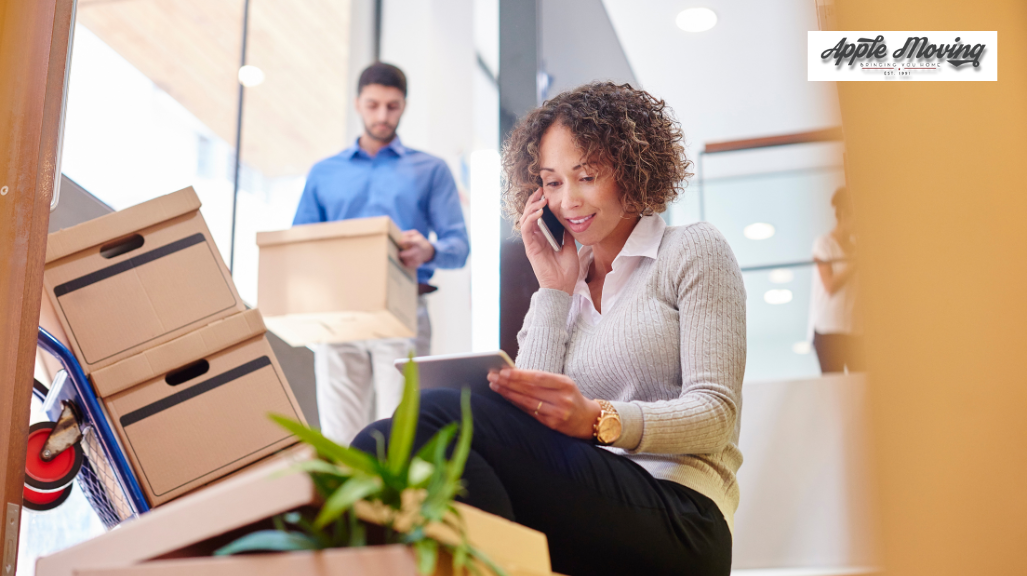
point(771, 220)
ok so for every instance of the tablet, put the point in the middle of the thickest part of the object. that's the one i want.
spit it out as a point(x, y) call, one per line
point(457, 371)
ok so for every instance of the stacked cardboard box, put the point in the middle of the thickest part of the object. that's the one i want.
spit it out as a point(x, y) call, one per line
point(183, 368)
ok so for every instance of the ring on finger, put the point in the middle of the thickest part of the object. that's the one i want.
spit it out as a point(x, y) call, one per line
point(537, 408)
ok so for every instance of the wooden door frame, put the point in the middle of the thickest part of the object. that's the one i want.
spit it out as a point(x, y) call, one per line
point(35, 45)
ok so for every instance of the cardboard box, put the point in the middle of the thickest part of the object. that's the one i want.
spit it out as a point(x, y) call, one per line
point(336, 282)
point(371, 561)
point(392, 560)
point(137, 278)
point(183, 527)
point(196, 408)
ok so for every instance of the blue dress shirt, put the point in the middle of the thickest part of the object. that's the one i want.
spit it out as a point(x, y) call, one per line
point(413, 188)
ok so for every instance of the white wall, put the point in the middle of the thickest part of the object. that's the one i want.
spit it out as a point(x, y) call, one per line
point(432, 41)
point(577, 44)
point(805, 483)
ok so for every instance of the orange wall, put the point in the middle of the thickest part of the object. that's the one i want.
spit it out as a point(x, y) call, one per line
point(938, 172)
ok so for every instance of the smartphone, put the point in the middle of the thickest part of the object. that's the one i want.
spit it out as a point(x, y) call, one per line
point(551, 228)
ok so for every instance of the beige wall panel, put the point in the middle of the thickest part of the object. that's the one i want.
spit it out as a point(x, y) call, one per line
point(936, 170)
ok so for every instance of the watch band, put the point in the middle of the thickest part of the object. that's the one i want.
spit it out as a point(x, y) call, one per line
point(606, 412)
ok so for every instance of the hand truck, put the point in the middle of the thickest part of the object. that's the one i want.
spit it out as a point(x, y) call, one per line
point(77, 444)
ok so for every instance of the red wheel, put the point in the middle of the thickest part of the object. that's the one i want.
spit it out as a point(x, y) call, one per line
point(49, 477)
point(43, 501)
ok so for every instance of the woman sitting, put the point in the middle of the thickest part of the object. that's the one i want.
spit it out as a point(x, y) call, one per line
point(617, 433)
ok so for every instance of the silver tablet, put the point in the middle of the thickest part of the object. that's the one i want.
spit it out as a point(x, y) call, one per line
point(457, 371)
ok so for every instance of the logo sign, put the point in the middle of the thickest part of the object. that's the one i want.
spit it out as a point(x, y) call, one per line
point(902, 56)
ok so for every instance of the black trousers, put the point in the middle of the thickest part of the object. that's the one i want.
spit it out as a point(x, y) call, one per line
point(602, 513)
point(838, 351)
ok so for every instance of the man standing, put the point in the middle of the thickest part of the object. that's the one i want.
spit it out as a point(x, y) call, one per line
point(356, 381)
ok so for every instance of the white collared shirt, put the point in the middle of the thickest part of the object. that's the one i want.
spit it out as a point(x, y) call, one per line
point(644, 242)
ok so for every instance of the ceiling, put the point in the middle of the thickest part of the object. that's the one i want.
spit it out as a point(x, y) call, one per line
point(191, 50)
point(744, 78)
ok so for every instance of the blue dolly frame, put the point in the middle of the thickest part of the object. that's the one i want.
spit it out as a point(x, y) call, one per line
point(109, 461)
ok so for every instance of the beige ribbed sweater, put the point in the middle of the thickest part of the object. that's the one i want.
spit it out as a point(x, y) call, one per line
point(669, 355)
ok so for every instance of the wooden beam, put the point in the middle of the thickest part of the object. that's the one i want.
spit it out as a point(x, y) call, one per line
point(34, 48)
point(825, 135)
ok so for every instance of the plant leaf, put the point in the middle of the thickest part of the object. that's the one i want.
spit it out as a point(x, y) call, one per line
point(320, 467)
point(269, 541)
point(358, 537)
point(460, 558)
point(427, 552)
point(297, 519)
point(354, 489)
point(444, 436)
point(420, 473)
point(455, 520)
point(455, 468)
point(444, 487)
point(414, 535)
point(440, 490)
point(379, 443)
point(404, 421)
point(351, 457)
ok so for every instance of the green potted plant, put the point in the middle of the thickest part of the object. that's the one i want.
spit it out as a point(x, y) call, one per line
point(407, 492)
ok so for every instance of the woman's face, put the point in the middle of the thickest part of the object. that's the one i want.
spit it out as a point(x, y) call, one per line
point(585, 198)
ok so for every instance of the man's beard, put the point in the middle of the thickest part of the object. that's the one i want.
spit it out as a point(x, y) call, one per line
point(386, 138)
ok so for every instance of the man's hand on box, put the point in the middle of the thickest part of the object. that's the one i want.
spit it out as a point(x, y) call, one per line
point(416, 249)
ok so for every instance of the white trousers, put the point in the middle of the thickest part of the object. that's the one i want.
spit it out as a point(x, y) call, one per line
point(357, 382)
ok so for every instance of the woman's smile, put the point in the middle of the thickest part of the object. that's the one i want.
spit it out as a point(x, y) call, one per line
point(579, 225)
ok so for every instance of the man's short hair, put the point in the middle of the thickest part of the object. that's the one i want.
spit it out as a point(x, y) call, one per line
point(385, 75)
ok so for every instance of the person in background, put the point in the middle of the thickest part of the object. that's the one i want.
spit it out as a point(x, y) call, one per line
point(834, 320)
point(379, 176)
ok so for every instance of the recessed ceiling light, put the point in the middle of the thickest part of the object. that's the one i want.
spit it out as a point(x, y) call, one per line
point(696, 19)
point(803, 347)
point(758, 231)
point(250, 76)
point(781, 276)
point(777, 296)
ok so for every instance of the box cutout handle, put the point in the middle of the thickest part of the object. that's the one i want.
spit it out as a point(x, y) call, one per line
point(188, 373)
point(122, 246)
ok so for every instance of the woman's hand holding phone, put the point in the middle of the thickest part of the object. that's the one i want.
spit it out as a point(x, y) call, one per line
point(553, 269)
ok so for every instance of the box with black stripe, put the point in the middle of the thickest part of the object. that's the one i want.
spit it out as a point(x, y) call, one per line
point(137, 278)
point(195, 409)
point(336, 282)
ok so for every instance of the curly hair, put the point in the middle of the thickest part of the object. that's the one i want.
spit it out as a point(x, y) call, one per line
point(628, 131)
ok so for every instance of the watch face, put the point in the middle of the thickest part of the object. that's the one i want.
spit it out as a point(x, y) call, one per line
point(609, 430)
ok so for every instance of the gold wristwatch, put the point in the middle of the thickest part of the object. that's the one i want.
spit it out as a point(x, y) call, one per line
point(607, 428)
